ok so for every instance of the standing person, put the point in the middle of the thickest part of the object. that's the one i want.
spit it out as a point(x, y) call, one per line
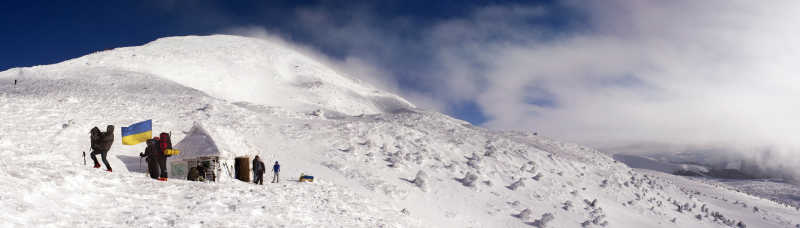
point(258, 171)
point(152, 163)
point(101, 143)
point(276, 169)
point(156, 160)
point(163, 143)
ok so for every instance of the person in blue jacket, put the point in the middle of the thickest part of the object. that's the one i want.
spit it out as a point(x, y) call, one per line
point(276, 169)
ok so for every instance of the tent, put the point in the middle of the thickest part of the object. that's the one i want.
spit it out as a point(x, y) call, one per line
point(219, 151)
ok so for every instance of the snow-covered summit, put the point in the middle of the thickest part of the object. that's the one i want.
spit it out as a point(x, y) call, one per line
point(245, 69)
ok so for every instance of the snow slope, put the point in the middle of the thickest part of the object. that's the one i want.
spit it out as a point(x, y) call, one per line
point(245, 69)
point(392, 167)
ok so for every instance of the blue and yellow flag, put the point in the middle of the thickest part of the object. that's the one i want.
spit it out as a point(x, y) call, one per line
point(137, 133)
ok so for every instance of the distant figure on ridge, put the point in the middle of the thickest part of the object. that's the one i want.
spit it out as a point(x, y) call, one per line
point(276, 169)
point(258, 171)
point(101, 143)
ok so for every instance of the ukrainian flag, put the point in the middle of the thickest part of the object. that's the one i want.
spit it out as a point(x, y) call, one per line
point(137, 133)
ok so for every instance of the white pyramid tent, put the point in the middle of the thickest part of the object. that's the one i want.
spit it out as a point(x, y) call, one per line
point(217, 149)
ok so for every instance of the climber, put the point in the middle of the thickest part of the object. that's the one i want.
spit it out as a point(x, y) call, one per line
point(101, 143)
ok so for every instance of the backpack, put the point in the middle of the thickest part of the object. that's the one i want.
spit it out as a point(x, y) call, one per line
point(95, 138)
point(165, 143)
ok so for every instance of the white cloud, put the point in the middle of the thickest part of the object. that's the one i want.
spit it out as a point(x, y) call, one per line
point(696, 74)
point(720, 74)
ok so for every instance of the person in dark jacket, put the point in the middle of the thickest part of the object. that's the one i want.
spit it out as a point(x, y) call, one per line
point(149, 155)
point(101, 143)
point(258, 170)
point(156, 161)
point(276, 169)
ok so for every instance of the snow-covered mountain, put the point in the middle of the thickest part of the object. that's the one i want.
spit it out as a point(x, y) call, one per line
point(244, 69)
point(378, 161)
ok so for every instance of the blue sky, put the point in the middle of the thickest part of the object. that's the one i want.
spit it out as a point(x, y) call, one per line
point(45, 32)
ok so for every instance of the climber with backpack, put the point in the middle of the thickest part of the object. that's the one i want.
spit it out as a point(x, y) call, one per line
point(165, 145)
point(153, 154)
point(101, 143)
point(157, 151)
point(258, 171)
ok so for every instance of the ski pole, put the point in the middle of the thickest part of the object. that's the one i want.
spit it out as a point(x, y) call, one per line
point(84, 157)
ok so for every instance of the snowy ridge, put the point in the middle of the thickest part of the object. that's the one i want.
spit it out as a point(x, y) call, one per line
point(245, 69)
point(405, 168)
